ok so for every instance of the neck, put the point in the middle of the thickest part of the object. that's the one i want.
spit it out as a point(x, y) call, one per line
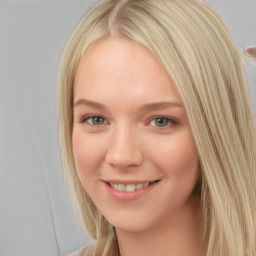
point(180, 237)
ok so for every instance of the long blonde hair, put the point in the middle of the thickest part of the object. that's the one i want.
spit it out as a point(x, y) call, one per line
point(193, 45)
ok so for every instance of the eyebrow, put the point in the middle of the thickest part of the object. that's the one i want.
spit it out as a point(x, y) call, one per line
point(144, 108)
point(159, 105)
point(89, 103)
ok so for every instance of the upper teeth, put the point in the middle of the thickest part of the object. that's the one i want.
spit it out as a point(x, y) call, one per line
point(129, 187)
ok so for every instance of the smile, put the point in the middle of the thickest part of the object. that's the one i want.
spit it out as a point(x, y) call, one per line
point(130, 187)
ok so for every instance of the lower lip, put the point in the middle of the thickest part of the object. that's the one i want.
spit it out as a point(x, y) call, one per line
point(129, 196)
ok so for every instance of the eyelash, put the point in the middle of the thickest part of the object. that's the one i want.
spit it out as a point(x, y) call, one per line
point(87, 117)
point(171, 121)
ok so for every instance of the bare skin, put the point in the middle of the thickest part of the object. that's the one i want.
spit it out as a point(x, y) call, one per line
point(131, 130)
point(182, 237)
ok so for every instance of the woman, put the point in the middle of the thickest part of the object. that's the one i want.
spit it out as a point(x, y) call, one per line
point(156, 131)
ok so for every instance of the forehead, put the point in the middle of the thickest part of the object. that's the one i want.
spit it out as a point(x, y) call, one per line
point(117, 53)
point(122, 68)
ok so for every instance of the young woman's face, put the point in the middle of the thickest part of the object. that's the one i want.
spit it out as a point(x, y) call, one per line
point(133, 149)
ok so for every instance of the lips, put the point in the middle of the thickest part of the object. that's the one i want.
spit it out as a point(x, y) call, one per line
point(130, 187)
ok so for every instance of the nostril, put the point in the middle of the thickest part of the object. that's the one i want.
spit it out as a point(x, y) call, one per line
point(122, 156)
point(251, 52)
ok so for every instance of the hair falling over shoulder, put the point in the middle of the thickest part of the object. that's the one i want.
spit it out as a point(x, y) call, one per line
point(193, 45)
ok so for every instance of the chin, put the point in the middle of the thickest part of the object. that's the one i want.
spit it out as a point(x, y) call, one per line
point(131, 222)
point(131, 227)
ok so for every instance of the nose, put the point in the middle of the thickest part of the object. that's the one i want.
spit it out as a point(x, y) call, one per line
point(124, 149)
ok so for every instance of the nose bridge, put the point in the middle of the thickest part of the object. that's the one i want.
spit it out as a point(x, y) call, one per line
point(124, 147)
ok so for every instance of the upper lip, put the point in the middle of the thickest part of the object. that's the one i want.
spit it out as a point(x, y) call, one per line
point(125, 182)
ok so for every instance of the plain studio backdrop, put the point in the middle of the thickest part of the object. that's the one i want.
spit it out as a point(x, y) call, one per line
point(36, 216)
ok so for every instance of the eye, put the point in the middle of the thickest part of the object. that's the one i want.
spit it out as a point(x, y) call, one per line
point(94, 120)
point(162, 122)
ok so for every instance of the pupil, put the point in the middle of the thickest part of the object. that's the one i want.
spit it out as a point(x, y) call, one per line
point(97, 120)
point(161, 122)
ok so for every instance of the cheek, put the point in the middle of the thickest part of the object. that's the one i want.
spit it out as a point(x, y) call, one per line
point(87, 154)
point(176, 156)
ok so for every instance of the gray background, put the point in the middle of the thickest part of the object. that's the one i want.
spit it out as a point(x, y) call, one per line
point(36, 216)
